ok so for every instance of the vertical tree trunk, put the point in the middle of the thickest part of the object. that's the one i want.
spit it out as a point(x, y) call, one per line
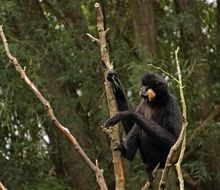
point(144, 26)
point(194, 50)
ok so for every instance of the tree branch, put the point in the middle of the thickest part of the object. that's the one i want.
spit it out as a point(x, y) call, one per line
point(185, 123)
point(93, 39)
point(2, 187)
point(146, 186)
point(165, 72)
point(47, 107)
point(113, 110)
point(181, 140)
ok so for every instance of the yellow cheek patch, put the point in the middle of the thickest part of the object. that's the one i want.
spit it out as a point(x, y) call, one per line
point(150, 94)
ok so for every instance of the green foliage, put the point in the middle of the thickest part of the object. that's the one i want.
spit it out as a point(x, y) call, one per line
point(50, 42)
point(198, 170)
point(30, 173)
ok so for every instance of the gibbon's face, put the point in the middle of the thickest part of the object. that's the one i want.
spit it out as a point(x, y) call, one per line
point(153, 86)
point(147, 93)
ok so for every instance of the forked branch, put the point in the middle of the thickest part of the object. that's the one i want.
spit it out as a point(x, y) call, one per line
point(180, 143)
point(113, 110)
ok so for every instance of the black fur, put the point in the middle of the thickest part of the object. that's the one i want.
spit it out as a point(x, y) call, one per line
point(155, 125)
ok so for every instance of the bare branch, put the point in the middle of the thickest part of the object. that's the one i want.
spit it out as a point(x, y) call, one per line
point(183, 147)
point(47, 107)
point(93, 39)
point(106, 31)
point(102, 37)
point(165, 72)
point(146, 186)
point(114, 134)
point(181, 140)
point(2, 187)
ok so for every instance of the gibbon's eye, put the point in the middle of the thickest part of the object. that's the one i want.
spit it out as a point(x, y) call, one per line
point(154, 84)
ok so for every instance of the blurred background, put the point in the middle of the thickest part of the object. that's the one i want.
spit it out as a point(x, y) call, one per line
point(48, 38)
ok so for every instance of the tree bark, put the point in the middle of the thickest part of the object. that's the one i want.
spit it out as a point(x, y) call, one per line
point(112, 105)
point(144, 26)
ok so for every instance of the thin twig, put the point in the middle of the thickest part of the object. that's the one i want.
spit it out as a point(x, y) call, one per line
point(180, 141)
point(93, 39)
point(165, 72)
point(46, 104)
point(2, 187)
